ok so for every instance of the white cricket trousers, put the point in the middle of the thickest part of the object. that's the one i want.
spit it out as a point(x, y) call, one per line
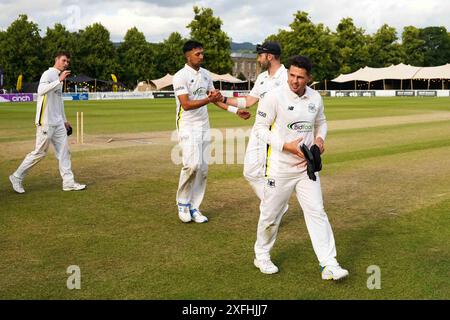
point(195, 148)
point(255, 164)
point(57, 136)
point(277, 192)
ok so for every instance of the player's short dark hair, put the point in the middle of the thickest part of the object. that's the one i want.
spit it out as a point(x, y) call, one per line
point(191, 44)
point(62, 53)
point(300, 62)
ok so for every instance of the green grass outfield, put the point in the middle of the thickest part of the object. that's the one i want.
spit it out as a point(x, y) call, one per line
point(386, 184)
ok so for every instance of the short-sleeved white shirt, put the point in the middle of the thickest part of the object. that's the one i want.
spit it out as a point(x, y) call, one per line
point(264, 83)
point(196, 84)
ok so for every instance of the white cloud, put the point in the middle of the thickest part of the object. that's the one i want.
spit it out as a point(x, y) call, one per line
point(242, 20)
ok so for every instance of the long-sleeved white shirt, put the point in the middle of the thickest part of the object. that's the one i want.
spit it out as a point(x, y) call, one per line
point(50, 105)
point(282, 117)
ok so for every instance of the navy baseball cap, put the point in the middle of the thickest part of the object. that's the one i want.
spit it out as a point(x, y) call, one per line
point(269, 47)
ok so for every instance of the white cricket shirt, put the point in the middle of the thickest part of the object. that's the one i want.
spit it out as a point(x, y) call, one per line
point(264, 83)
point(50, 105)
point(282, 117)
point(196, 84)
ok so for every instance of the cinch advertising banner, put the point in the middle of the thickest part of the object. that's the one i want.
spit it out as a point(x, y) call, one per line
point(16, 97)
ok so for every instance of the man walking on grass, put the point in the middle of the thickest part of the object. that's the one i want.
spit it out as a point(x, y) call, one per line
point(52, 127)
point(291, 119)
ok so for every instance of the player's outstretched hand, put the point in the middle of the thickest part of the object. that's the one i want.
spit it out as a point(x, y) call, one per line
point(243, 114)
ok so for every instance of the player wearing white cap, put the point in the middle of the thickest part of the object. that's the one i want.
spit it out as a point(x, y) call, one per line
point(289, 115)
point(52, 127)
point(274, 75)
point(194, 89)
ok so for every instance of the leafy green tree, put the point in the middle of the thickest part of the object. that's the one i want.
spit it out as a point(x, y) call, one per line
point(314, 41)
point(136, 58)
point(3, 44)
point(384, 49)
point(21, 51)
point(169, 55)
point(207, 29)
point(97, 53)
point(351, 43)
point(413, 46)
point(57, 39)
point(437, 46)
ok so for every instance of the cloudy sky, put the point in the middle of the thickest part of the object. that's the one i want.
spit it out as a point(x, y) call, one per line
point(243, 21)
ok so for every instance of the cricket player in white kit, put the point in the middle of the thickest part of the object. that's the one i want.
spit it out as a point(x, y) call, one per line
point(194, 89)
point(52, 127)
point(275, 75)
point(288, 116)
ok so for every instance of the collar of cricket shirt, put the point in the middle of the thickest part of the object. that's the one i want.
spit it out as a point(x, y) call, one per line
point(277, 73)
point(280, 71)
point(55, 70)
point(292, 95)
point(192, 70)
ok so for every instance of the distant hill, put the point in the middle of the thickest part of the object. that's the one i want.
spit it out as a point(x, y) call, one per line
point(242, 47)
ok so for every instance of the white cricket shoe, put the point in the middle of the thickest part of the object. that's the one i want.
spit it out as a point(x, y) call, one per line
point(266, 266)
point(184, 214)
point(16, 184)
point(74, 187)
point(197, 216)
point(333, 273)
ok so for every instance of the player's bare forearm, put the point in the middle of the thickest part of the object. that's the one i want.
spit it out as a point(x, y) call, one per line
point(188, 104)
point(193, 104)
point(221, 105)
point(239, 112)
point(249, 101)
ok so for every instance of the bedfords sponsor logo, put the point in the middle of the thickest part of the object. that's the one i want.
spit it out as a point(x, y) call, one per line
point(301, 126)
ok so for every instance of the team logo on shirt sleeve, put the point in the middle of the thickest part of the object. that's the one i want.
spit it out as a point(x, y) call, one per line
point(180, 88)
point(301, 126)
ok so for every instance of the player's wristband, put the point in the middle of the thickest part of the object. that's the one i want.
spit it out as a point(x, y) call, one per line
point(232, 109)
point(241, 103)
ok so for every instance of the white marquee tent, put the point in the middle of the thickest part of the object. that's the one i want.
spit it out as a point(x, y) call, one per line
point(166, 81)
point(397, 72)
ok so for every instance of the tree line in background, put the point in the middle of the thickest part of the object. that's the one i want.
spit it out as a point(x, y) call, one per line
point(24, 51)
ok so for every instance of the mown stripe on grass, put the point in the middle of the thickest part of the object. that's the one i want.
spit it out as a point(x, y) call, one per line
point(384, 151)
point(392, 127)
